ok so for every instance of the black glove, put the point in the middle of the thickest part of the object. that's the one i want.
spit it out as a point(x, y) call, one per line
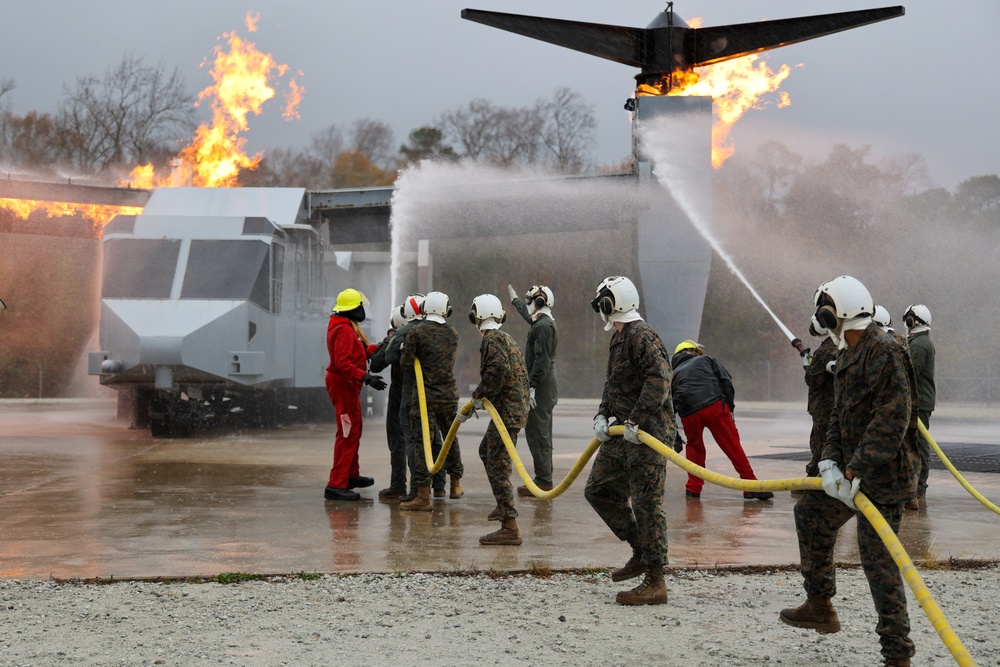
point(374, 381)
point(678, 443)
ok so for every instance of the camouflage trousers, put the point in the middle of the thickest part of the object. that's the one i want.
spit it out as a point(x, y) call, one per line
point(498, 468)
point(624, 471)
point(439, 418)
point(818, 517)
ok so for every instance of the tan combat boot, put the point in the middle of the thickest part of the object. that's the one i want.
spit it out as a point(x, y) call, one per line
point(494, 515)
point(815, 613)
point(652, 590)
point(507, 535)
point(456, 487)
point(422, 503)
point(633, 568)
point(897, 662)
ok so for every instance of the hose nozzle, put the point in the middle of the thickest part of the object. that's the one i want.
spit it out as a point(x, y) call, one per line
point(804, 351)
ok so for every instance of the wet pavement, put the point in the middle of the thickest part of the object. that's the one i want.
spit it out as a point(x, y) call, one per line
point(82, 496)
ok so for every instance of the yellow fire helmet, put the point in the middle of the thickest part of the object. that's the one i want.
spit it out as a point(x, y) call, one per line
point(350, 299)
point(694, 347)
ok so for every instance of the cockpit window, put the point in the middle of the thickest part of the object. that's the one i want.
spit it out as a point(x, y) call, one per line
point(139, 268)
point(228, 270)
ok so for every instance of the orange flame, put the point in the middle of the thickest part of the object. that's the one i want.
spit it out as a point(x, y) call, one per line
point(292, 99)
point(99, 214)
point(735, 86)
point(215, 156)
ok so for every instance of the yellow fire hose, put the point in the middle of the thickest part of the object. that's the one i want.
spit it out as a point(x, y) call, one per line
point(892, 543)
point(957, 475)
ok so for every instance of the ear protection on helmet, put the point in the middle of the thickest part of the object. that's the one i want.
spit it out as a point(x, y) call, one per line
point(474, 318)
point(538, 296)
point(604, 302)
point(910, 317)
point(826, 318)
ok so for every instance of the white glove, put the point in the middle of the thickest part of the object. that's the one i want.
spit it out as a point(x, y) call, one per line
point(601, 428)
point(461, 419)
point(632, 432)
point(512, 292)
point(831, 366)
point(531, 398)
point(477, 404)
point(847, 490)
point(831, 476)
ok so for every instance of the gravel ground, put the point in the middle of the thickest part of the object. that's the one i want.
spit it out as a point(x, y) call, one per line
point(713, 618)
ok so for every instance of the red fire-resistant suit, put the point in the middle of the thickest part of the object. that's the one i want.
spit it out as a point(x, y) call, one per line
point(348, 364)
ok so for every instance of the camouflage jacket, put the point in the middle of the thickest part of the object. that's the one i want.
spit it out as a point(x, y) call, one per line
point(638, 384)
point(435, 345)
point(504, 377)
point(540, 350)
point(922, 355)
point(820, 382)
point(873, 425)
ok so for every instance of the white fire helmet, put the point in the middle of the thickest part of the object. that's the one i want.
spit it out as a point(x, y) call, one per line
point(396, 319)
point(487, 312)
point(615, 294)
point(842, 298)
point(882, 318)
point(413, 307)
point(916, 315)
point(539, 296)
point(437, 307)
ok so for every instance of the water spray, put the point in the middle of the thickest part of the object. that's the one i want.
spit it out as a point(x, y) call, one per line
point(658, 139)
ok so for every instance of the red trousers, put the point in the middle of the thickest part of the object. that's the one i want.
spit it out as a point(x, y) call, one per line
point(718, 419)
point(346, 398)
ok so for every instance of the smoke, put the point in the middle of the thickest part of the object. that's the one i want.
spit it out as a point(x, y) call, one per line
point(484, 228)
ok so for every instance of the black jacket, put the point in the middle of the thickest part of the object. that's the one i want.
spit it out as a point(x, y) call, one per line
point(698, 382)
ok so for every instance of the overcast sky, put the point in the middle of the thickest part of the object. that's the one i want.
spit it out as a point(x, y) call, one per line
point(924, 83)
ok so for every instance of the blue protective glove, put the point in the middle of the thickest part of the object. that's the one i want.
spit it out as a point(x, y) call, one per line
point(601, 428)
point(632, 432)
point(832, 477)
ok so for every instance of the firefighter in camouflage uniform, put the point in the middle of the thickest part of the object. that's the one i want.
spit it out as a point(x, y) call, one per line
point(435, 343)
point(819, 401)
point(871, 446)
point(626, 480)
point(504, 382)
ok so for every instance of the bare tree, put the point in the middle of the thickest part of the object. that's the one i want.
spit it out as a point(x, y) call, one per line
point(516, 133)
point(374, 139)
point(6, 85)
point(308, 167)
point(135, 113)
point(568, 129)
point(472, 128)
